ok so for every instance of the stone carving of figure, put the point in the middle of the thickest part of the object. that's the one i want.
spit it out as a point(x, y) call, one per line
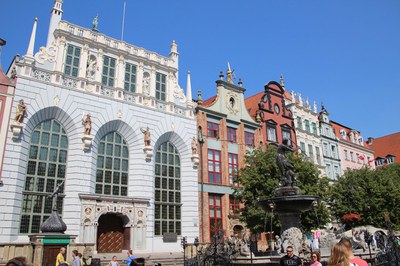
point(147, 137)
point(146, 83)
point(95, 23)
point(288, 176)
point(91, 67)
point(278, 244)
point(194, 146)
point(21, 109)
point(87, 124)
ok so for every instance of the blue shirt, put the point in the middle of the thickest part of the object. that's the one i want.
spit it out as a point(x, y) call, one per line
point(129, 260)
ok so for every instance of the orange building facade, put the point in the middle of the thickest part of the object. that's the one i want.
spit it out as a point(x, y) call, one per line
point(226, 133)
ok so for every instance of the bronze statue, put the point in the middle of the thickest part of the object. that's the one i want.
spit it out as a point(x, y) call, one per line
point(288, 176)
point(20, 113)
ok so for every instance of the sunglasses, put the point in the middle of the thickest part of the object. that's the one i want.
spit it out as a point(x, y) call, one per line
point(313, 256)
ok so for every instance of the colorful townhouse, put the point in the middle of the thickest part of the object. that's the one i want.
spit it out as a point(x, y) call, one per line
point(270, 109)
point(307, 129)
point(386, 149)
point(354, 151)
point(107, 125)
point(330, 146)
point(226, 133)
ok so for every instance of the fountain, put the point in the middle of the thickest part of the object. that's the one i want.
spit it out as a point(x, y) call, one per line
point(288, 203)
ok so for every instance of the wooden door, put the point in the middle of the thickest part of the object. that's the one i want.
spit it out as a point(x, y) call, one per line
point(50, 253)
point(110, 234)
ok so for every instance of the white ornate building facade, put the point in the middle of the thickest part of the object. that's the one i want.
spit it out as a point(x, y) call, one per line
point(110, 120)
point(307, 129)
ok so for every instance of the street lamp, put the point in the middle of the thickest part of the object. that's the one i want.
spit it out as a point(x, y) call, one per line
point(184, 244)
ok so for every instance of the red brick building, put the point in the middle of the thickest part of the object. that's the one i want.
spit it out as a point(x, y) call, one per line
point(228, 132)
point(387, 149)
point(269, 108)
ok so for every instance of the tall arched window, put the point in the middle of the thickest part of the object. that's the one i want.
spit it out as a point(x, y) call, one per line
point(112, 166)
point(167, 201)
point(46, 168)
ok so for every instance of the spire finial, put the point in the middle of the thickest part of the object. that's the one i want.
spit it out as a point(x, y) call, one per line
point(174, 47)
point(188, 88)
point(55, 18)
point(199, 98)
point(240, 83)
point(282, 81)
point(221, 75)
point(31, 47)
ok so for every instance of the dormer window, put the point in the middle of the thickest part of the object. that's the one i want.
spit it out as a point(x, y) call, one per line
point(343, 133)
point(379, 161)
point(389, 159)
point(361, 140)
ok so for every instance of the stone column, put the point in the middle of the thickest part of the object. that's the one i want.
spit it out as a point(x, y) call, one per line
point(120, 73)
point(83, 61)
point(139, 78)
point(100, 62)
point(61, 51)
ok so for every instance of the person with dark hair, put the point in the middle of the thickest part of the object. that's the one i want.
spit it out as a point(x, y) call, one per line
point(315, 259)
point(290, 259)
point(130, 258)
point(347, 243)
point(75, 258)
point(17, 261)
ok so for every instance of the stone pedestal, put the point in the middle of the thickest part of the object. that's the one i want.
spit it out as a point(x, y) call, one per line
point(87, 142)
point(16, 129)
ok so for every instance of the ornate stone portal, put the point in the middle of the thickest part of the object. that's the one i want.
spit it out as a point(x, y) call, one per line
point(133, 212)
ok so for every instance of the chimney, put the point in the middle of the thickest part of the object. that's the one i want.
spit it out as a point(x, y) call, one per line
point(370, 140)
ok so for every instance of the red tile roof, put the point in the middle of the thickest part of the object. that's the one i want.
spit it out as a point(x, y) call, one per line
point(209, 101)
point(252, 103)
point(385, 145)
point(337, 127)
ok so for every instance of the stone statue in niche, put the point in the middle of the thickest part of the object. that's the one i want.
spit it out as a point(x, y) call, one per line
point(91, 67)
point(87, 124)
point(147, 136)
point(194, 146)
point(146, 83)
point(20, 112)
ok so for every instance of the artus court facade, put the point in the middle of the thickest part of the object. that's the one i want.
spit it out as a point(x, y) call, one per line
point(110, 120)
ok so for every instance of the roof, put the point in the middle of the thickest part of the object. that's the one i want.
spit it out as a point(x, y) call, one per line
point(387, 145)
point(338, 127)
point(252, 103)
point(209, 101)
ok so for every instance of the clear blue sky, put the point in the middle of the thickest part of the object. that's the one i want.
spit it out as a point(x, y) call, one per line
point(344, 53)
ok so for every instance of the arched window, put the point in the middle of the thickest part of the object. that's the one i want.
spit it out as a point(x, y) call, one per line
point(112, 166)
point(167, 201)
point(46, 169)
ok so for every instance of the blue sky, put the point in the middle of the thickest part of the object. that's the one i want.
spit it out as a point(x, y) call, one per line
point(344, 53)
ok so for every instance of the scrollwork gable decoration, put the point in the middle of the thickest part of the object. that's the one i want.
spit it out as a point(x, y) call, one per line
point(232, 102)
point(46, 56)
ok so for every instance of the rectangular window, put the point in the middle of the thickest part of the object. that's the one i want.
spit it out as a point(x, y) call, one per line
point(231, 134)
point(130, 78)
point(249, 138)
point(303, 147)
point(346, 156)
point(286, 135)
point(352, 156)
point(234, 205)
point(212, 130)
point(72, 61)
point(299, 123)
point(317, 152)
point(379, 162)
point(311, 152)
point(214, 166)
point(233, 167)
point(307, 124)
point(108, 71)
point(333, 148)
point(271, 132)
point(389, 159)
point(215, 208)
point(336, 169)
point(329, 170)
point(358, 158)
point(161, 86)
point(314, 127)
point(325, 149)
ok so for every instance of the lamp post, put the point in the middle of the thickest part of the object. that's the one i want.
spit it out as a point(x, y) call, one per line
point(184, 244)
point(200, 139)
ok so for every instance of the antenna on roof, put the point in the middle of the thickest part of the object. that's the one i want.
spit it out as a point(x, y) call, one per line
point(123, 21)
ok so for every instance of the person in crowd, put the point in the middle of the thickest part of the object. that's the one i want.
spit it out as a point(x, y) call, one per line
point(60, 260)
point(17, 261)
point(75, 258)
point(130, 258)
point(315, 259)
point(290, 259)
point(360, 262)
point(113, 262)
point(340, 256)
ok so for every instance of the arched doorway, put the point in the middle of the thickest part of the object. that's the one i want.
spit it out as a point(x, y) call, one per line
point(112, 236)
point(238, 230)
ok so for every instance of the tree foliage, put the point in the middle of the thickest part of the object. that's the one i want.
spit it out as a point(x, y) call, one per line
point(261, 177)
point(369, 193)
